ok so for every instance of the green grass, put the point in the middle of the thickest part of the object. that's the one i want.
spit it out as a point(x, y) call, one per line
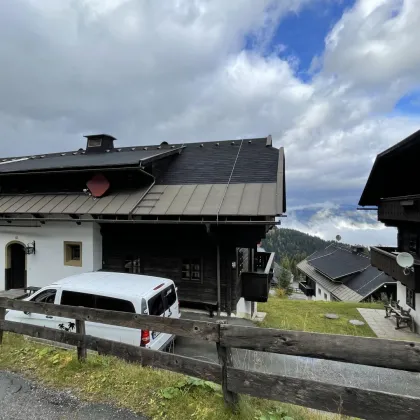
point(309, 315)
point(158, 394)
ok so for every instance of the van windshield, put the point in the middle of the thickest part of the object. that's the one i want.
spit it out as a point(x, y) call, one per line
point(96, 302)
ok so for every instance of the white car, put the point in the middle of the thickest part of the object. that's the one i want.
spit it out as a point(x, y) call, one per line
point(122, 292)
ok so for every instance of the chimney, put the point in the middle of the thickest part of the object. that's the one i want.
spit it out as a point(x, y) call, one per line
point(99, 143)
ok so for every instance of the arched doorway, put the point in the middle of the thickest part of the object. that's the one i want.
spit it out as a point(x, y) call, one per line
point(15, 266)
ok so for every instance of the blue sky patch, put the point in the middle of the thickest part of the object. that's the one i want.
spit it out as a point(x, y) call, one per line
point(409, 104)
point(302, 35)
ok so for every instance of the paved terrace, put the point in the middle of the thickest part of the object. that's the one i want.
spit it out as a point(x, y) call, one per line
point(385, 327)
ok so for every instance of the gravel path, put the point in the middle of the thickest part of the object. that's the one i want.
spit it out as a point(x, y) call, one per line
point(21, 399)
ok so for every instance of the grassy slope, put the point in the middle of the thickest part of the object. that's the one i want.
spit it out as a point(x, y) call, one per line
point(309, 316)
point(156, 393)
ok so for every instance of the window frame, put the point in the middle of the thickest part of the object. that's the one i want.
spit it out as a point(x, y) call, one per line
point(410, 298)
point(413, 238)
point(94, 143)
point(190, 261)
point(68, 260)
point(325, 296)
point(95, 298)
point(36, 296)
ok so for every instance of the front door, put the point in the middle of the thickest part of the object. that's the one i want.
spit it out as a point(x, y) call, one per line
point(16, 271)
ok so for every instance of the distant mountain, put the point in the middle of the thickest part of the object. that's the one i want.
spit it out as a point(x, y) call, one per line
point(292, 244)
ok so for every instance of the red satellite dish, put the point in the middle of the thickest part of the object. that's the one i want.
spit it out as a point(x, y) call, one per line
point(98, 185)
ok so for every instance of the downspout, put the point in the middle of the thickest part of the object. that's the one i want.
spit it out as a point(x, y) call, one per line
point(130, 214)
point(218, 280)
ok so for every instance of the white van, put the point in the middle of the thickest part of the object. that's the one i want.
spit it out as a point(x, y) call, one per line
point(110, 291)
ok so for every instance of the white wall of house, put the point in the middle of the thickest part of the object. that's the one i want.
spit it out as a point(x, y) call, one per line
point(321, 293)
point(401, 296)
point(47, 265)
point(243, 308)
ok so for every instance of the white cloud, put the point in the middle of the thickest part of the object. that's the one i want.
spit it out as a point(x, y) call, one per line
point(354, 227)
point(148, 71)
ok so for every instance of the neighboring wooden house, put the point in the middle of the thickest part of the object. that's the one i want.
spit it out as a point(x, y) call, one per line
point(192, 212)
point(394, 190)
point(340, 274)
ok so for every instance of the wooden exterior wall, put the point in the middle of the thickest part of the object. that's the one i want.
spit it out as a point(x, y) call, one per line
point(159, 251)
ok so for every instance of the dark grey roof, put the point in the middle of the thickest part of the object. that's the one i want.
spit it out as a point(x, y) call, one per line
point(339, 290)
point(335, 259)
point(226, 178)
point(336, 262)
point(368, 281)
point(69, 160)
point(213, 162)
point(402, 158)
point(199, 163)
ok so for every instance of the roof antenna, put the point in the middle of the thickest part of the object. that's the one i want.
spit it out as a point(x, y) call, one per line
point(337, 239)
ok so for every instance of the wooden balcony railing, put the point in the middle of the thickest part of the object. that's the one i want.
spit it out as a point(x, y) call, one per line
point(385, 259)
point(306, 288)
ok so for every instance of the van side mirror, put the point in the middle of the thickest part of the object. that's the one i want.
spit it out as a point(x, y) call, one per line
point(26, 313)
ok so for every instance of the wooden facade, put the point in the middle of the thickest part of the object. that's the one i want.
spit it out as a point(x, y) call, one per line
point(393, 187)
point(191, 212)
point(166, 250)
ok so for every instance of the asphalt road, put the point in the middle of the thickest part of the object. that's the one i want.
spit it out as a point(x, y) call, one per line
point(358, 376)
point(21, 399)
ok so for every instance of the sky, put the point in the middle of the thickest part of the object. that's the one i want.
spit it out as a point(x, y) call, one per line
point(333, 81)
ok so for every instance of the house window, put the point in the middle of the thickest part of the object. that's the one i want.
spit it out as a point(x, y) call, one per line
point(94, 142)
point(73, 254)
point(325, 296)
point(191, 269)
point(410, 298)
point(133, 265)
point(412, 242)
point(319, 291)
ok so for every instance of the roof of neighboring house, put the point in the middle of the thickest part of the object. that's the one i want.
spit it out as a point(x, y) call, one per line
point(226, 178)
point(394, 172)
point(339, 290)
point(335, 260)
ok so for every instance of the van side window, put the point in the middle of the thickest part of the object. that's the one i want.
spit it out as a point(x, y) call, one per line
point(170, 296)
point(96, 302)
point(113, 304)
point(77, 299)
point(47, 296)
point(156, 305)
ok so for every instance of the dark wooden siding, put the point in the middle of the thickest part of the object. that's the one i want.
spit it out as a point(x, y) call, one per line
point(159, 251)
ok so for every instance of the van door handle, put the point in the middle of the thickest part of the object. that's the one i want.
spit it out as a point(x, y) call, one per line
point(49, 317)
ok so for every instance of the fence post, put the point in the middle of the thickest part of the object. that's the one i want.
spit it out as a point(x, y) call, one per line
point(2, 316)
point(81, 350)
point(225, 359)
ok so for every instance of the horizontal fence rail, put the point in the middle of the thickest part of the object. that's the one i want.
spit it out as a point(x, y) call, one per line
point(362, 403)
point(401, 355)
point(208, 331)
point(367, 404)
point(392, 354)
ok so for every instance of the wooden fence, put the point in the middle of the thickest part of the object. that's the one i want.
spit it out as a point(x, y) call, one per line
point(366, 404)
